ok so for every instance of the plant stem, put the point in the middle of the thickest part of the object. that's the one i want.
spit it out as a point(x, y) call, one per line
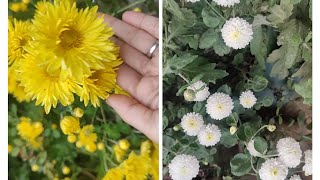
point(103, 115)
point(252, 166)
point(215, 11)
point(130, 6)
point(184, 78)
point(170, 151)
point(258, 131)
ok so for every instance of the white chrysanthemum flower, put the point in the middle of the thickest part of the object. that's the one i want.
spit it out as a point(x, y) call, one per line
point(219, 106)
point(247, 99)
point(209, 135)
point(289, 152)
point(227, 3)
point(201, 90)
point(295, 177)
point(193, 1)
point(307, 168)
point(237, 33)
point(192, 123)
point(253, 150)
point(273, 169)
point(183, 167)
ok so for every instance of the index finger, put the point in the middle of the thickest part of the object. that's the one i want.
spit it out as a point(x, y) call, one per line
point(142, 21)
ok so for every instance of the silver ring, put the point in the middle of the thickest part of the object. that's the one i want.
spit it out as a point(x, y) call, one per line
point(152, 49)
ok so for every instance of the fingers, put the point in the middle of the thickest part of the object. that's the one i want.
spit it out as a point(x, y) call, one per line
point(128, 79)
point(136, 37)
point(137, 60)
point(135, 114)
point(142, 21)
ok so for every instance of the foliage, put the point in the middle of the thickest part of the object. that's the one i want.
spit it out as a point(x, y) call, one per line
point(276, 66)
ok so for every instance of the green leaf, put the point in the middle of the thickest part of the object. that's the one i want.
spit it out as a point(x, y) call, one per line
point(220, 47)
point(259, 20)
point(240, 164)
point(208, 38)
point(209, 17)
point(168, 141)
point(267, 101)
point(279, 70)
point(233, 119)
point(174, 64)
point(165, 122)
point(227, 139)
point(260, 144)
point(259, 83)
point(304, 89)
point(225, 89)
point(280, 13)
point(238, 59)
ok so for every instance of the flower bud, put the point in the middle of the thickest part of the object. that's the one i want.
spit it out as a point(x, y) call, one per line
point(233, 129)
point(65, 170)
point(189, 95)
point(35, 168)
point(271, 128)
point(177, 128)
point(124, 144)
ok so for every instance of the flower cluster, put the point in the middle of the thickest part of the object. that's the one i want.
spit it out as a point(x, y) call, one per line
point(74, 56)
point(30, 131)
point(137, 166)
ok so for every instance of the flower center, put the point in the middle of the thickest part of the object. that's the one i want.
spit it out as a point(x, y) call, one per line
point(220, 107)
point(274, 172)
point(235, 35)
point(209, 137)
point(191, 123)
point(70, 39)
point(23, 42)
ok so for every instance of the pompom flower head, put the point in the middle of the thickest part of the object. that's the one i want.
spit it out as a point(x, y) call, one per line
point(201, 90)
point(192, 123)
point(88, 138)
point(247, 99)
point(70, 125)
point(289, 152)
point(29, 131)
point(273, 169)
point(237, 33)
point(193, 1)
point(307, 168)
point(183, 167)
point(219, 106)
point(227, 3)
point(209, 135)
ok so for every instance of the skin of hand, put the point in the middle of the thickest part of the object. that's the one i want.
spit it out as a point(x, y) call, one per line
point(138, 75)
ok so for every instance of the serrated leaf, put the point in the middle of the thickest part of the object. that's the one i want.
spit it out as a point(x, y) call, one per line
point(259, 20)
point(208, 38)
point(280, 13)
point(174, 64)
point(220, 47)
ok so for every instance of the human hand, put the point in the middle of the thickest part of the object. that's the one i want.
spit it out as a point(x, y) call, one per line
point(138, 75)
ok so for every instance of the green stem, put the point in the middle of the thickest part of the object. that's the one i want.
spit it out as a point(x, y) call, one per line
point(130, 6)
point(214, 10)
point(94, 116)
point(258, 131)
point(252, 166)
point(103, 115)
point(170, 151)
point(184, 78)
point(112, 141)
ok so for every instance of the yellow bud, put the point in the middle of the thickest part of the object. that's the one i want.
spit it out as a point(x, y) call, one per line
point(271, 128)
point(124, 144)
point(53, 126)
point(54, 162)
point(66, 178)
point(100, 146)
point(79, 144)
point(72, 138)
point(137, 9)
point(35, 168)
point(65, 170)
point(189, 95)
point(77, 112)
point(92, 147)
point(145, 147)
point(15, 7)
point(10, 148)
point(233, 129)
point(70, 125)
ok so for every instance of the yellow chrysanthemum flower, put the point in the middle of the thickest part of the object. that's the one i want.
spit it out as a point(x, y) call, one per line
point(12, 82)
point(30, 131)
point(70, 125)
point(114, 174)
point(119, 153)
point(79, 39)
point(151, 152)
point(136, 167)
point(88, 138)
point(32, 70)
point(19, 35)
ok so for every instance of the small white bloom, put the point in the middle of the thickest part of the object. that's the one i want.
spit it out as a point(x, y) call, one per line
point(237, 33)
point(183, 167)
point(307, 168)
point(219, 106)
point(273, 169)
point(192, 123)
point(247, 99)
point(201, 90)
point(289, 151)
point(227, 3)
point(295, 177)
point(209, 135)
point(253, 150)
